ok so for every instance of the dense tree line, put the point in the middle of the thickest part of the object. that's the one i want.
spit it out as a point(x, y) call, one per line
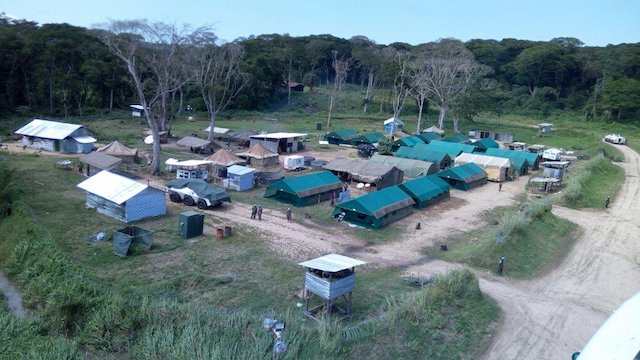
point(63, 70)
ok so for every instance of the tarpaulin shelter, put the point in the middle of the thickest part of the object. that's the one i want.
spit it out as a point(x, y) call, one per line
point(56, 136)
point(421, 152)
point(486, 143)
point(459, 138)
point(426, 190)
point(342, 136)
point(280, 142)
point(306, 189)
point(407, 141)
point(258, 155)
point(124, 238)
point(203, 189)
point(451, 148)
point(497, 168)
point(367, 138)
point(376, 209)
point(410, 167)
point(377, 174)
point(122, 198)
point(464, 177)
point(533, 159)
point(196, 144)
point(100, 161)
point(392, 125)
point(117, 149)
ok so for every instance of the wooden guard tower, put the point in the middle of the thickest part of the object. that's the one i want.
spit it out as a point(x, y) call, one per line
point(329, 277)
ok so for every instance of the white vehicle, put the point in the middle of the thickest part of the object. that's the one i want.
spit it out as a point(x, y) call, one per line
point(294, 162)
point(615, 139)
point(552, 154)
point(196, 192)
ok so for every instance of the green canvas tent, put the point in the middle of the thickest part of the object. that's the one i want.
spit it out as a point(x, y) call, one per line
point(428, 136)
point(460, 139)
point(410, 167)
point(464, 177)
point(422, 152)
point(426, 190)
point(407, 141)
point(486, 143)
point(533, 160)
point(306, 189)
point(367, 138)
point(451, 148)
point(342, 136)
point(377, 174)
point(376, 209)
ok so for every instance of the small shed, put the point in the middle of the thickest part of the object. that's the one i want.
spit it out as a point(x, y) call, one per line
point(196, 145)
point(119, 150)
point(410, 167)
point(393, 125)
point(306, 189)
point(122, 198)
point(376, 209)
point(329, 277)
point(554, 169)
point(532, 159)
point(190, 169)
point(379, 175)
point(280, 142)
point(464, 177)
point(342, 136)
point(494, 135)
point(137, 110)
point(497, 168)
point(426, 190)
point(367, 138)
point(100, 161)
point(239, 178)
point(422, 152)
point(56, 136)
point(258, 155)
point(545, 128)
point(451, 148)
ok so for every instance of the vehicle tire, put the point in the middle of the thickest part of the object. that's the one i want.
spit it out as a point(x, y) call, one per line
point(202, 204)
point(174, 197)
point(188, 200)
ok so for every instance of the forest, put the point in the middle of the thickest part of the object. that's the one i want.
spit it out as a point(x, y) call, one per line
point(59, 70)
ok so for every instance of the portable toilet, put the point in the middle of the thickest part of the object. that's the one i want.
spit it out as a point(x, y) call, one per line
point(191, 224)
point(239, 178)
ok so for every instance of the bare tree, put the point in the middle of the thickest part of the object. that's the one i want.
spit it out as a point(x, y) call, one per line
point(341, 68)
point(402, 80)
point(218, 75)
point(420, 86)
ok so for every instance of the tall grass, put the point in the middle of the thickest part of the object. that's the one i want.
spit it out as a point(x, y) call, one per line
point(513, 222)
point(590, 185)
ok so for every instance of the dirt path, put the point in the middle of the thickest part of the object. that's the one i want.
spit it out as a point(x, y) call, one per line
point(11, 296)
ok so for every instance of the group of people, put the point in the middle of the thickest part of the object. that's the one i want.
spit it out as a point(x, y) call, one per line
point(256, 212)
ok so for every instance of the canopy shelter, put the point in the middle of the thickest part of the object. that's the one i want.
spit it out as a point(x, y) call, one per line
point(533, 159)
point(56, 136)
point(306, 189)
point(427, 136)
point(434, 129)
point(147, 136)
point(486, 143)
point(464, 177)
point(421, 152)
point(376, 209)
point(99, 161)
point(367, 138)
point(117, 149)
point(498, 169)
point(218, 132)
point(195, 144)
point(258, 155)
point(342, 136)
point(451, 148)
point(407, 141)
point(224, 158)
point(410, 167)
point(426, 190)
point(378, 174)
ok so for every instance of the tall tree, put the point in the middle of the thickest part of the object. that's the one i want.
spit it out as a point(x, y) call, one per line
point(341, 68)
point(401, 87)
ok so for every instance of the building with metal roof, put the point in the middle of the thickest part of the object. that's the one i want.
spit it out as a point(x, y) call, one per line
point(464, 177)
point(342, 136)
point(377, 174)
point(533, 159)
point(422, 152)
point(306, 189)
point(410, 167)
point(376, 209)
point(367, 138)
point(426, 190)
point(280, 142)
point(122, 198)
point(497, 168)
point(56, 136)
point(451, 148)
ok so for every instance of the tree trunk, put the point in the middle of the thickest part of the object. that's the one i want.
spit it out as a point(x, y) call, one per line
point(367, 96)
point(212, 124)
point(288, 84)
point(50, 94)
point(331, 100)
point(443, 112)
point(111, 100)
point(181, 104)
point(155, 162)
point(420, 106)
point(456, 123)
point(619, 113)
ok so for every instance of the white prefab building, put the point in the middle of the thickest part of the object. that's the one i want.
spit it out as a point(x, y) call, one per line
point(56, 136)
point(281, 142)
point(189, 169)
point(497, 168)
point(137, 110)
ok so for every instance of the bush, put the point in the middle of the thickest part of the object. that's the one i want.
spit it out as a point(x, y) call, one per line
point(537, 208)
point(511, 223)
point(612, 153)
point(573, 193)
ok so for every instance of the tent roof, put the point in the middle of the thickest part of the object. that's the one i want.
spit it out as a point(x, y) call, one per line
point(279, 135)
point(192, 141)
point(344, 134)
point(239, 170)
point(360, 170)
point(425, 187)
point(434, 129)
point(515, 156)
point(224, 158)
point(332, 263)
point(422, 152)
point(187, 163)
point(369, 138)
point(487, 143)
point(112, 187)
point(467, 172)
point(379, 203)
point(118, 149)
point(48, 129)
point(410, 167)
point(217, 130)
point(258, 151)
point(453, 149)
point(305, 185)
point(484, 160)
point(459, 138)
point(429, 135)
point(100, 160)
point(409, 141)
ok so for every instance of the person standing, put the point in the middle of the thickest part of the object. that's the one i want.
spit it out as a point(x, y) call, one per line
point(259, 212)
point(289, 214)
point(254, 211)
point(607, 202)
point(499, 187)
point(501, 266)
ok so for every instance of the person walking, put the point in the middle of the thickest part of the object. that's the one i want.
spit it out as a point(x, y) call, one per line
point(259, 212)
point(289, 214)
point(254, 211)
point(607, 202)
point(501, 266)
point(499, 187)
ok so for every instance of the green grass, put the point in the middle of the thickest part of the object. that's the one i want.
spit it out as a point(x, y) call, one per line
point(589, 185)
point(529, 252)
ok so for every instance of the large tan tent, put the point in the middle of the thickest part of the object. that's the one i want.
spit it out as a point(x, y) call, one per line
point(119, 150)
point(498, 169)
point(258, 155)
point(224, 158)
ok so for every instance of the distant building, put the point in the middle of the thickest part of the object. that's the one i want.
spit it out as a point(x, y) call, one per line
point(392, 125)
point(56, 136)
point(281, 142)
point(495, 135)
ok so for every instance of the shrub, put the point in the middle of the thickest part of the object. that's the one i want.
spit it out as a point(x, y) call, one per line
point(573, 193)
point(511, 223)
point(537, 208)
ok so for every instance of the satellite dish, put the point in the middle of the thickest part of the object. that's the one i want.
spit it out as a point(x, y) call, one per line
point(148, 140)
point(360, 185)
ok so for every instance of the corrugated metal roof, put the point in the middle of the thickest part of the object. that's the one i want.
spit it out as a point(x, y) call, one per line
point(332, 263)
point(48, 129)
point(187, 163)
point(240, 170)
point(112, 187)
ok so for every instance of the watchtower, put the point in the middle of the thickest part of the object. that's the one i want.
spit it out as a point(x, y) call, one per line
point(330, 277)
